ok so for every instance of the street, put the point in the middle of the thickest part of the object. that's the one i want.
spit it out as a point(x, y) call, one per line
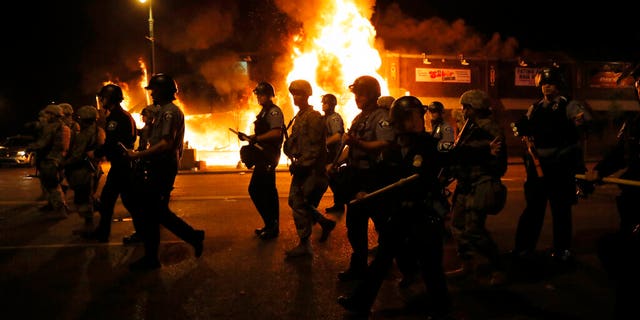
point(46, 272)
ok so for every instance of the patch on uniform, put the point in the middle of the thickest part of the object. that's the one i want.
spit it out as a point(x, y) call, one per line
point(384, 124)
point(167, 116)
point(448, 129)
point(274, 112)
point(112, 125)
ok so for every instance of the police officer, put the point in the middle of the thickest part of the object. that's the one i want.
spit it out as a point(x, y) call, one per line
point(148, 115)
point(69, 117)
point(369, 135)
point(479, 159)
point(619, 251)
point(268, 131)
point(306, 147)
point(335, 129)
point(120, 129)
point(163, 157)
point(552, 127)
point(52, 147)
point(412, 225)
point(81, 164)
point(440, 129)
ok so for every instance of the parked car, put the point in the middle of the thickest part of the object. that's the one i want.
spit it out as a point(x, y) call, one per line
point(13, 150)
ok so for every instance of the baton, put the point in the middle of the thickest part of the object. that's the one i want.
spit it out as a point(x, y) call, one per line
point(386, 188)
point(626, 182)
point(243, 136)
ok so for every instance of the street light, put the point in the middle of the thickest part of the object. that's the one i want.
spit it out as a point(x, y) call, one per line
point(151, 38)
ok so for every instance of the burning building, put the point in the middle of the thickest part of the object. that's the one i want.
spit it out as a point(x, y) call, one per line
point(330, 43)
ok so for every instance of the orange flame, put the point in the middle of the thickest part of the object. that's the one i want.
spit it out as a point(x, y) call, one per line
point(339, 50)
point(342, 50)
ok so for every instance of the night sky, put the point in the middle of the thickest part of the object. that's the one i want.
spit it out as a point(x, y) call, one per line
point(62, 51)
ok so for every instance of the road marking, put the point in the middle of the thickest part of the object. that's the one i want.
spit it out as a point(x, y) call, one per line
point(77, 245)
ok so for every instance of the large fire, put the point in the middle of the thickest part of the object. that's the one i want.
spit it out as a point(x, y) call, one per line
point(329, 54)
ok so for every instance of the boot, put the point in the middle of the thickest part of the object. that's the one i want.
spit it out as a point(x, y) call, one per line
point(327, 226)
point(303, 249)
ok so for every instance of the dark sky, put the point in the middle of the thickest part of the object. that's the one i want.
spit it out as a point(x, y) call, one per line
point(63, 50)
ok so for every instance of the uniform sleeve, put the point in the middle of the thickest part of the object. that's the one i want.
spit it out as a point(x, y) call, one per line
point(335, 124)
point(275, 118)
point(168, 125)
point(383, 128)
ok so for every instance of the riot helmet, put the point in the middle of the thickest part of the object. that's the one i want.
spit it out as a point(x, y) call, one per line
point(264, 88)
point(366, 85)
point(402, 108)
point(301, 87)
point(54, 110)
point(67, 109)
point(330, 99)
point(436, 106)
point(112, 94)
point(386, 102)
point(87, 113)
point(550, 75)
point(475, 99)
point(163, 83)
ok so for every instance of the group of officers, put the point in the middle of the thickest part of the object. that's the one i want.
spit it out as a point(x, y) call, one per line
point(385, 149)
point(388, 150)
point(72, 153)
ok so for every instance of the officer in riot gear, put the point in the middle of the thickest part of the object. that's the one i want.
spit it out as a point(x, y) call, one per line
point(412, 227)
point(369, 135)
point(306, 148)
point(120, 128)
point(162, 159)
point(619, 251)
point(479, 160)
point(52, 147)
point(440, 129)
point(268, 131)
point(335, 130)
point(81, 164)
point(551, 128)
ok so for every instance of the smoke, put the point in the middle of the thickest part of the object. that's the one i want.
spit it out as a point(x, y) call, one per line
point(202, 42)
point(435, 35)
point(206, 27)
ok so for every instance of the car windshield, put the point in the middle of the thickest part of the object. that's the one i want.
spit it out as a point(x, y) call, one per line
point(17, 141)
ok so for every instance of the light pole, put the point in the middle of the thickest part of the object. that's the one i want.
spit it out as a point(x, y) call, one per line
point(150, 37)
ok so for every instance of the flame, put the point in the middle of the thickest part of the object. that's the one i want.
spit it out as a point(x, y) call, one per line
point(331, 58)
point(342, 50)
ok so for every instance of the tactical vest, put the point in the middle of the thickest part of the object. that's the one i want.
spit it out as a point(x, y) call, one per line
point(551, 127)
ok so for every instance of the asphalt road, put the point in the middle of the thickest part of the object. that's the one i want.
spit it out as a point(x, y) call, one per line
point(46, 272)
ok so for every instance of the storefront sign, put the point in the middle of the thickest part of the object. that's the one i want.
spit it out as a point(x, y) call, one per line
point(443, 75)
point(526, 77)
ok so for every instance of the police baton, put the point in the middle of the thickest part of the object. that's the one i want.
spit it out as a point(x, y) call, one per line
point(244, 137)
point(386, 188)
point(625, 182)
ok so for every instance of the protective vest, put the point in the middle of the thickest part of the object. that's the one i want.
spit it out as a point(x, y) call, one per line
point(550, 125)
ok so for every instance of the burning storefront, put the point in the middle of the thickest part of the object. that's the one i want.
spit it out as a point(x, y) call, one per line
point(334, 42)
